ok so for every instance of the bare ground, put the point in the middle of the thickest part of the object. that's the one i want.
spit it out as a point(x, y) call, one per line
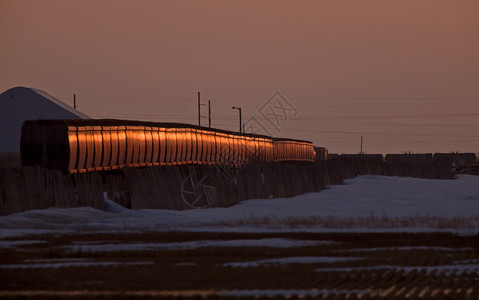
point(390, 266)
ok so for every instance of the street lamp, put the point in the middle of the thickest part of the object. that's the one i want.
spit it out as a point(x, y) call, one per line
point(238, 108)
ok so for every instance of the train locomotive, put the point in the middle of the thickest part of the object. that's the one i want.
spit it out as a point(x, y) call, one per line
point(80, 146)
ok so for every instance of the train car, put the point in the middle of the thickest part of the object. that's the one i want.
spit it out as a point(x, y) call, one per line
point(409, 158)
point(288, 150)
point(79, 146)
point(456, 159)
point(321, 153)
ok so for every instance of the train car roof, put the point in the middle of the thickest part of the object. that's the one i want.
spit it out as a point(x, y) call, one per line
point(116, 122)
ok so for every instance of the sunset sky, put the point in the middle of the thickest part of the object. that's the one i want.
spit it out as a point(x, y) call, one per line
point(402, 74)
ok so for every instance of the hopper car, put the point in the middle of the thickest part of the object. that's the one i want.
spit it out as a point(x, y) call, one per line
point(79, 146)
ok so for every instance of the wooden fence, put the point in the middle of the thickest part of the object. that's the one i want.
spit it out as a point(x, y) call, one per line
point(189, 186)
point(166, 187)
point(33, 187)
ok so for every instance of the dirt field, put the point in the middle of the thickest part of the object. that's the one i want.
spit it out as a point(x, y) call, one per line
point(231, 265)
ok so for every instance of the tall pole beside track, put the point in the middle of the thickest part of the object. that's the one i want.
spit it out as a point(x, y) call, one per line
point(240, 123)
point(199, 110)
point(209, 113)
point(361, 152)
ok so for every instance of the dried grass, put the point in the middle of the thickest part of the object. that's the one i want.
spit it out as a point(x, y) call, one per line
point(371, 222)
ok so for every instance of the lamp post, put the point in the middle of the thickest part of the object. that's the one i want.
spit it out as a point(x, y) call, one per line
point(238, 108)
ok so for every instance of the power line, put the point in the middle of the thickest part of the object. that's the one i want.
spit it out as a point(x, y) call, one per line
point(388, 117)
point(450, 97)
point(379, 133)
point(265, 97)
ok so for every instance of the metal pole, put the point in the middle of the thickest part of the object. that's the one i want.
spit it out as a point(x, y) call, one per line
point(239, 109)
point(240, 123)
point(209, 113)
point(75, 101)
point(361, 145)
point(199, 111)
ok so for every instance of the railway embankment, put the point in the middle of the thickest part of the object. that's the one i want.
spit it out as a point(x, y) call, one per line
point(195, 186)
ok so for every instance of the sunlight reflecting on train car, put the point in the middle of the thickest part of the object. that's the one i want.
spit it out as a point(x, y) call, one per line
point(73, 145)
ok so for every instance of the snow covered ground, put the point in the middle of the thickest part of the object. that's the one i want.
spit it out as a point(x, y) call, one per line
point(366, 203)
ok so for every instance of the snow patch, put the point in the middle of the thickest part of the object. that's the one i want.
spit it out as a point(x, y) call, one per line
point(291, 260)
point(456, 268)
point(56, 265)
point(271, 243)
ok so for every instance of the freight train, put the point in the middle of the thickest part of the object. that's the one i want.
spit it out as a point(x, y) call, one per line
point(79, 146)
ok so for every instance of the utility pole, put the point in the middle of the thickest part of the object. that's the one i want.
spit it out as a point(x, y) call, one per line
point(361, 145)
point(75, 101)
point(209, 113)
point(240, 123)
point(199, 110)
